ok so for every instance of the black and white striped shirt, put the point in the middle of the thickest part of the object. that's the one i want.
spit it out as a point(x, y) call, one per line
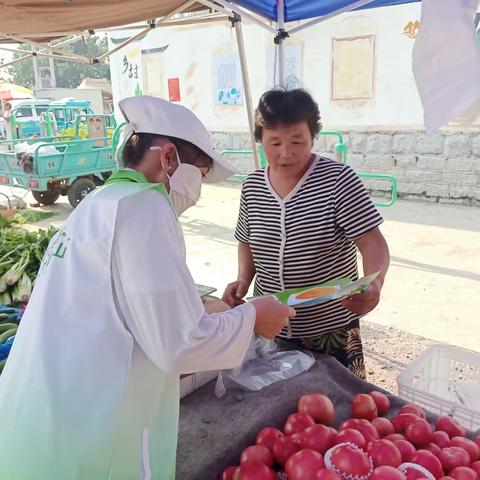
point(307, 237)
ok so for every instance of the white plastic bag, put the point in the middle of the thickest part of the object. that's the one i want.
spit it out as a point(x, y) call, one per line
point(264, 364)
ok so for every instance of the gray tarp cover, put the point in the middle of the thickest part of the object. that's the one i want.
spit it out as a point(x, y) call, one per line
point(213, 432)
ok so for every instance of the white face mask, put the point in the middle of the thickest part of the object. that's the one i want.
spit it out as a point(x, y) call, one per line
point(185, 186)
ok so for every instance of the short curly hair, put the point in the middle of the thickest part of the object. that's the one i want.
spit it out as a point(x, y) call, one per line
point(285, 107)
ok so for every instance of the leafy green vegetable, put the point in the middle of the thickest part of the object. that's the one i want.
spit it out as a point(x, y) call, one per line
point(28, 216)
point(21, 253)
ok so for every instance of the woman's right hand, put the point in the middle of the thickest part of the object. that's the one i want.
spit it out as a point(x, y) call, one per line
point(234, 293)
point(272, 316)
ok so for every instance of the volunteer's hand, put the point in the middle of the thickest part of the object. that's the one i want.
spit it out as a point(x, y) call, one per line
point(234, 293)
point(365, 302)
point(271, 317)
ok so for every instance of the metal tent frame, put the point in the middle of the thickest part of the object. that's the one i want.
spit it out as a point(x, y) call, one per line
point(233, 11)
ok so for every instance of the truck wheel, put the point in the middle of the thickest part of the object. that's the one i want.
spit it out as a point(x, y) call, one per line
point(78, 190)
point(46, 197)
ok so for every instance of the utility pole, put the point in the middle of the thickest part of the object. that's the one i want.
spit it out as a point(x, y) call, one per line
point(53, 78)
point(35, 71)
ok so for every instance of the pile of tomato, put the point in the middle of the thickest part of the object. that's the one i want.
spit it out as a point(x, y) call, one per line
point(368, 446)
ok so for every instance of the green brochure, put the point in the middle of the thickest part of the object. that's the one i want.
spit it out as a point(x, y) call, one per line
point(331, 290)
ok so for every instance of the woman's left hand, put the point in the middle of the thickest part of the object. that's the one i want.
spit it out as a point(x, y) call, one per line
point(365, 302)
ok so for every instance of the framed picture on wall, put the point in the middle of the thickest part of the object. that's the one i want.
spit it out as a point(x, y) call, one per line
point(353, 68)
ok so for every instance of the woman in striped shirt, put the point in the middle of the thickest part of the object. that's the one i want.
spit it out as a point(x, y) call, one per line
point(301, 222)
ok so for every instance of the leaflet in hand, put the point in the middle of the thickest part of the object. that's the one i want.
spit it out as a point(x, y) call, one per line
point(332, 290)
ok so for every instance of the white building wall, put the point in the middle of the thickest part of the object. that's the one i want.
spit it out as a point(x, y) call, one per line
point(192, 52)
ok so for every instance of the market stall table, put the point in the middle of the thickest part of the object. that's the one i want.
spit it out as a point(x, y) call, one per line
point(213, 432)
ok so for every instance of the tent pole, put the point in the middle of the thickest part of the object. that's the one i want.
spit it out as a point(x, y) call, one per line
point(243, 13)
point(45, 47)
point(218, 8)
point(46, 55)
point(17, 60)
point(41, 52)
point(281, 35)
point(348, 8)
point(237, 24)
point(36, 75)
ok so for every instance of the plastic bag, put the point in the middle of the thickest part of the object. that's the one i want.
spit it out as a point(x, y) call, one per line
point(264, 364)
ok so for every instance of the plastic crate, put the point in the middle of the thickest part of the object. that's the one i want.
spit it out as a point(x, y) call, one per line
point(446, 381)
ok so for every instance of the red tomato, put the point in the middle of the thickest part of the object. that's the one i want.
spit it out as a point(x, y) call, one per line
point(406, 449)
point(297, 437)
point(450, 426)
point(477, 441)
point(350, 435)
point(349, 461)
point(228, 473)
point(434, 448)
point(381, 401)
point(384, 426)
point(318, 406)
point(368, 431)
point(304, 465)
point(419, 432)
point(257, 452)
point(395, 436)
point(476, 466)
point(387, 473)
point(441, 439)
point(452, 457)
point(254, 470)
point(384, 452)
point(429, 461)
point(297, 422)
point(415, 409)
point(401, 421)
point(268, 436)
point(363, 406)
point(464, 473)
point(446, 478)
point(326, 474)
point(283, 449)
point(318, 437)
point(470, 447)
point(413, 471)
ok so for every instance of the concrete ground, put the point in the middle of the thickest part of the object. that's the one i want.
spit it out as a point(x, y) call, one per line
point(432, 289)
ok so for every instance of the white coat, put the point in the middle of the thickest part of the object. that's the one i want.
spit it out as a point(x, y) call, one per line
point(91, 388)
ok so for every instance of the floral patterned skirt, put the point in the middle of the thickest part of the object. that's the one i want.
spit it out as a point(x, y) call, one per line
point(344, 344)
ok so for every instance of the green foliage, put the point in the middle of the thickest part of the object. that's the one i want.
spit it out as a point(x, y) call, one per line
point(68, 74)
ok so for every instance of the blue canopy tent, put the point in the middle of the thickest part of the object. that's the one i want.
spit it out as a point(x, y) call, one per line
point(301, 9)
point(281, 12)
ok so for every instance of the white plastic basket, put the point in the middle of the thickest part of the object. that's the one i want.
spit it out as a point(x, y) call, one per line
point(445, 380)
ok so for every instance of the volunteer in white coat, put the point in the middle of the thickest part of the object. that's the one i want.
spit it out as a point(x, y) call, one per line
point(91, 388)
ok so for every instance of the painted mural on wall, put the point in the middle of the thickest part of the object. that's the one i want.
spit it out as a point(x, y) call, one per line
point(131, 72)
point(228, 80)
point(410, 30)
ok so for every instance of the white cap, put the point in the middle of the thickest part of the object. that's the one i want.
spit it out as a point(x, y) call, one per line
point(147, 114)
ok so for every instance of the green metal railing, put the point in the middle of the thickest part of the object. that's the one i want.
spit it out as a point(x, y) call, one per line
point(389, 178)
